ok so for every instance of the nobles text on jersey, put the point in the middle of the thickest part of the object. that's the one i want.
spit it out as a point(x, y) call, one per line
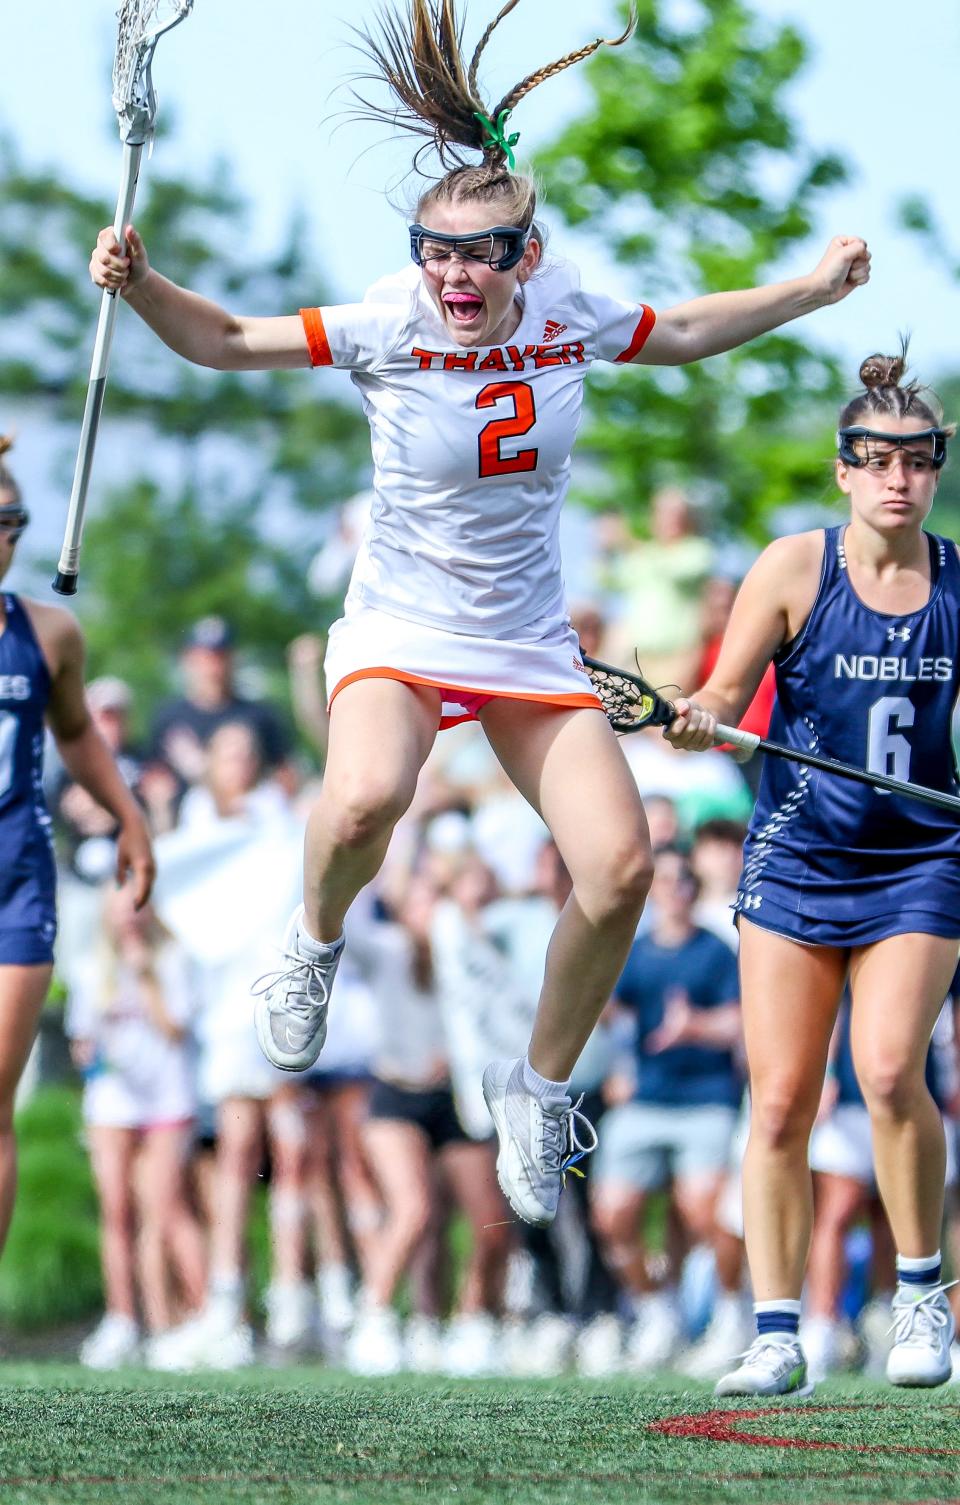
point(870, 666)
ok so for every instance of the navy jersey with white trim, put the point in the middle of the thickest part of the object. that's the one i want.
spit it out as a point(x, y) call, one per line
point(877, 691)
point(24, 822)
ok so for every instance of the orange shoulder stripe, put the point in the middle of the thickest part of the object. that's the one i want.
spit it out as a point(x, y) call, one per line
point(317, 342)
point(640, 335)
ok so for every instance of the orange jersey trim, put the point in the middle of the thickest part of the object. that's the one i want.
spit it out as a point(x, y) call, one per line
point(640, 335)
point(587, 702)
point(317, 342)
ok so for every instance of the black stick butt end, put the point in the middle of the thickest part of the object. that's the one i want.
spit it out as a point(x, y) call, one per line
point(65, 583)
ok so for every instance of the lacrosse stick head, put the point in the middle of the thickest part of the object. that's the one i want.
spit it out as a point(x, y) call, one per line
point(629, 703)
point(140, 24)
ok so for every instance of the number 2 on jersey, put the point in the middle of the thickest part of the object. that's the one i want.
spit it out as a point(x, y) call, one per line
point(492, 461)
point(8, 741)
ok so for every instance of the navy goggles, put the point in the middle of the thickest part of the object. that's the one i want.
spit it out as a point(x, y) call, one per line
point(859, 446)
point(13, 522)
point(502, 247)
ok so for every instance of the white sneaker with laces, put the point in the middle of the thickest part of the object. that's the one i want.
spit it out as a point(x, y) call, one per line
point(538, 1142)
point(291, 1007)
point(115, 1341)
point(774, 1364)
point(923, 1330)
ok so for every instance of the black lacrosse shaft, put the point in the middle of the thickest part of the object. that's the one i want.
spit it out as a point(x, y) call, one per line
point(919, 792)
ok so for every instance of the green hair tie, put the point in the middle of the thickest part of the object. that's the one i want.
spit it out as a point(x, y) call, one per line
point(496, 135)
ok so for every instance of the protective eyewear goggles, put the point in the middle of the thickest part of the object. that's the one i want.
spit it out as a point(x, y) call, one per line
point(502, 247)
point(859, 446)
point(13, 522)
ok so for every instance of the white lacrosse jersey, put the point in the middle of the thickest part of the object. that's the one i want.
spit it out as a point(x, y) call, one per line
point(471, 448)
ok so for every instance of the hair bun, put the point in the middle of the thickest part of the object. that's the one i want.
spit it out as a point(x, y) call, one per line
point(882, 370)
point(6, 442)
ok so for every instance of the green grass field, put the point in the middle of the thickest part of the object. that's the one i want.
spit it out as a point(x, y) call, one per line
point(310, 1435)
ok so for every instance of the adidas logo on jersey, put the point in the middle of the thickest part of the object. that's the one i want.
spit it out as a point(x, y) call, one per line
point(552, 331)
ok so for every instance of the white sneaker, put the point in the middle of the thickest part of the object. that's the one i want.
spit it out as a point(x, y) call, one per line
point(472, 1346)
point(544, 1350)
point(291, 1314)
point(206, 1341)
point(874, 1331)
point(423, 1345)
point(820, 1340)
point(599, 1346)
point(773, 1365)
point(727, 1334)
point(538, 1142)
point(291, 1007)
point(923, 1331)
point(335, 1297)
point(375, 1346)
point(115, 1341)
point(955, 1363)
point(656, 1334)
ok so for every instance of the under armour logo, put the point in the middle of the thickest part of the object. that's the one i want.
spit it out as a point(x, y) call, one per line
point(751, 901)
point(552, 331)
point(903, 633)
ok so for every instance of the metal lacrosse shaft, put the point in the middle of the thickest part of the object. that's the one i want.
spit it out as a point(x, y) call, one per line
point(66, 578)
point(750, 741)
point(136, 105)
point(662, 712)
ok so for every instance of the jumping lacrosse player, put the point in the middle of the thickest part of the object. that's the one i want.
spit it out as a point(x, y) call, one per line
point(471, 367)
point(862, 623)
point(41, 679)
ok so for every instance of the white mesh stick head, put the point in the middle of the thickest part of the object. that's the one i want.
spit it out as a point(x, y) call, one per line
point(140, 23)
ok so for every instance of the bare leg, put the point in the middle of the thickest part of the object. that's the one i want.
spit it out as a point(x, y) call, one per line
point(288, 1192)
point(898, 988)
point(22, 991)
point(358, 1188)
point(401, 1157)
point(171, 1241)
point(618, 1220)
point(470, 1172)
point(380, 734)
point(789, 995)
point(239, 1147)
point(570, 768)
point(837, 1201)
point(112, 1155)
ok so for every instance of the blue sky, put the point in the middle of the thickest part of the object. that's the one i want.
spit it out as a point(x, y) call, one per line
point(259, 86)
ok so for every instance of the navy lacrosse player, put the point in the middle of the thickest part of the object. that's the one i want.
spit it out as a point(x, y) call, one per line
point(41, 679)
point(862, 623)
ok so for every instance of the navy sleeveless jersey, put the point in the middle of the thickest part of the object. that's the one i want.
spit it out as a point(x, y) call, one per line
point(877, 691)
point(27, 875)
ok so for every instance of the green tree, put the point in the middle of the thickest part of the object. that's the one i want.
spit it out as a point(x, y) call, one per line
point(689, 165)
point(228, 473)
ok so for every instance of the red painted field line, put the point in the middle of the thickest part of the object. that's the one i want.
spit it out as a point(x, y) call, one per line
point(722, 1426)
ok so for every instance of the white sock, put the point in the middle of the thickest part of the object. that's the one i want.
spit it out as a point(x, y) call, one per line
point(314, 950)
point(541, 1087)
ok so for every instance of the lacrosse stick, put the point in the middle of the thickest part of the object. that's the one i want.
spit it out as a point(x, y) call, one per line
point(140, 25)
point(630, 704)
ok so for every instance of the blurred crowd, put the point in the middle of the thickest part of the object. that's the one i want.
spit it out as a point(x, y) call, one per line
point(390, 1246)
